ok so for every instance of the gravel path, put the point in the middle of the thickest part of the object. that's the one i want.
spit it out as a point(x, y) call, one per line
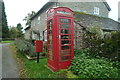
point(10, 68)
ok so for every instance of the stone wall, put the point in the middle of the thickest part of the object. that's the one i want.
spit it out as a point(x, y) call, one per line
point(82, 21)
point(27, 33)
point(78, 36)
point(86, 7)
point(40, 24)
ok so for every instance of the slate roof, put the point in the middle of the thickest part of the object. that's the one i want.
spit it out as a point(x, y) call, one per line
point(42, 9)
point(104, 23)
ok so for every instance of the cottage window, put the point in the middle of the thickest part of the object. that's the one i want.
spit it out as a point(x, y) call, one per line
point(96, 10)
point(39, 20)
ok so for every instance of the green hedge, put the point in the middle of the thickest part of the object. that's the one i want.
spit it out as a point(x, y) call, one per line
point(86, 66)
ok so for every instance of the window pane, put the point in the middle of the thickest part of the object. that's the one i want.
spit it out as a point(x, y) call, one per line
point(65, 31)
point(64, 20)
point(50, 41)
point(64, 26)
point(50, 27)
point(65, 52)
point(50, 14)
point(50, 47)
point(50, 37)
point(65, 47)
point(50, 21)
point(65, 36)
point(50, 24)
point(50, 57)
point(50, 52)
point(63, 58)
point(65, 42)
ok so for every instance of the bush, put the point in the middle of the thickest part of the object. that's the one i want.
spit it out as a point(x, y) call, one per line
point(82, 53)
point(25, 47)
point(93, 68)
point(101, 43)
point(86, 65)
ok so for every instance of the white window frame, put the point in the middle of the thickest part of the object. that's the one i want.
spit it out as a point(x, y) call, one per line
point(39, 19)
point(96, 10)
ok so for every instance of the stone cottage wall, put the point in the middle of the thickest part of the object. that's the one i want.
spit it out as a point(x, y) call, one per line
point(83, 7)
point(82, 21)
point(39, 22)
point(78, 36)
point(27, 34)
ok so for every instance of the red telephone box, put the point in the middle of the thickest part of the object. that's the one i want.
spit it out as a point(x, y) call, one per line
point(60, 37)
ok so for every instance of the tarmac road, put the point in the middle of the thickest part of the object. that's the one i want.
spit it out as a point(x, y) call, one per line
point(10, 68)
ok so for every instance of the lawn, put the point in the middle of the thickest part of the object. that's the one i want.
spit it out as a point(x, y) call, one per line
point(6, 41)
point(38, 70)
point(31, 69)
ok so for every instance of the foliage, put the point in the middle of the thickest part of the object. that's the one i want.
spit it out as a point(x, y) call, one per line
point(83, 53)
point(102, 43)
point(19, 28)
point(71, 75)
point(93, 68)
point(96, 31)
point(27, 18)
point(13, 32)
point(25, 47)
point(89, 67)
point(6, 41)
point(5, 29)
point(16, 32)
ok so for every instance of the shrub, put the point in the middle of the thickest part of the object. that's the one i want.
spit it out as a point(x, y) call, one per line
point(101, 43)
point(82, 53)
point(25, 47)
point(21, 46)
point(93, 68)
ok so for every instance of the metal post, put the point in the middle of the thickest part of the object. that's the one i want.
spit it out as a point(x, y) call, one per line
point(37, 57)
point(38, 52)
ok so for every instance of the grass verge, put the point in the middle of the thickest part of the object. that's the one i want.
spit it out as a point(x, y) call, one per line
point(6, 41)
point(31, 69)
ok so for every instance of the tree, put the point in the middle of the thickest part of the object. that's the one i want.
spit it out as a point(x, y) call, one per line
point(5, 29)
point(14, 32)
point(19, 28)
point(0, 20)
point(27, 18)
